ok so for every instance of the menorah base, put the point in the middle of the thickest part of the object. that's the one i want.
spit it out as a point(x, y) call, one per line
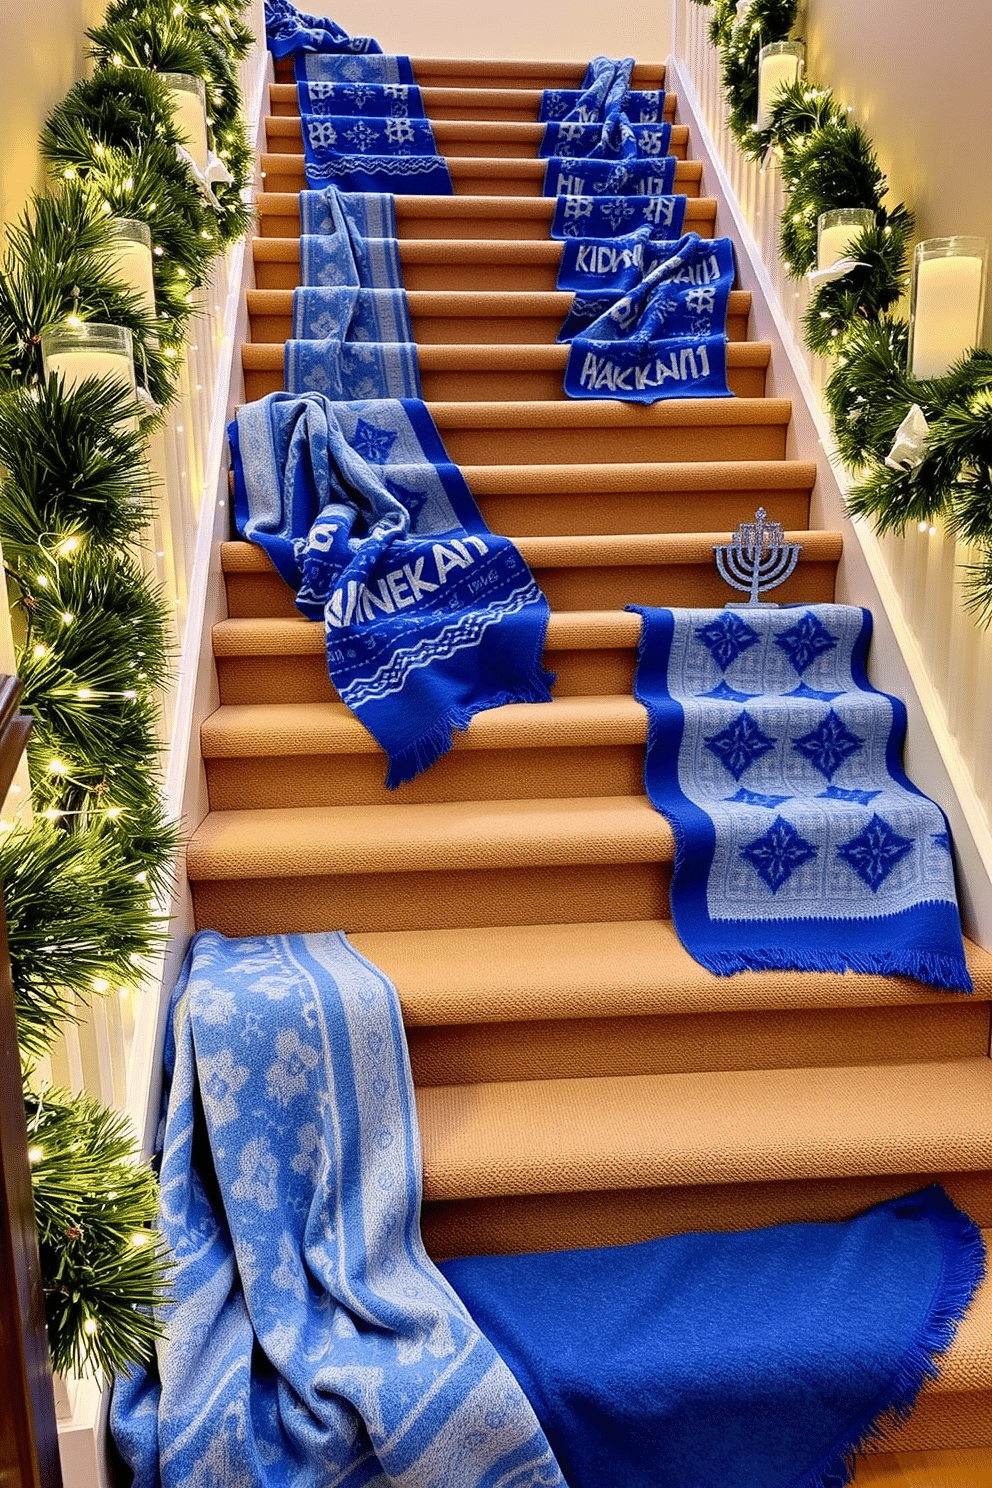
point(752, 604)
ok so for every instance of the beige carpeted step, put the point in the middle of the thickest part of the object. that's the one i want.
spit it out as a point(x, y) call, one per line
point(518, 105)
point(737, 1130)
point(486, 372)
point(583, 573)
point(458, 72)
point(492, 221)
point(472, 176)
point(457, 139)
point(448, 865)
point(459, 317)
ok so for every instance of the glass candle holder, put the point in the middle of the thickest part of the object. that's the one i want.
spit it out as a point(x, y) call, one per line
point(947, 304)
point(779, 64)
point(837, 230)
point(131, 257)
point(87, 348)
point(189, 108)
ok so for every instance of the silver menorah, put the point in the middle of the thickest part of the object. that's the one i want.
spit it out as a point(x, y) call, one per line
point(757, 559)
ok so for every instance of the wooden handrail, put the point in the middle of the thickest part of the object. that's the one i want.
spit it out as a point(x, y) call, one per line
point(29, 1447)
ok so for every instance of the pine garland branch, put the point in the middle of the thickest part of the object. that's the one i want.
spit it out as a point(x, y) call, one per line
point(765, 21)
point(868, 292)
point(106, 1273)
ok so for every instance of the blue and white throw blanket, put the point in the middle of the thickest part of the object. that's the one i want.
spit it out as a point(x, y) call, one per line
point(589, 142)
point(323, 66)
point(566, 177)
point(349, 239)
point(641, 107)
point(666, 338)
point(311, 1341)
point(612, 266)
point(373, 154)
point(800, 843)
point(378, 100)
point(352, 343)
point(290, 30)
point(613, 216)
point(430, 618)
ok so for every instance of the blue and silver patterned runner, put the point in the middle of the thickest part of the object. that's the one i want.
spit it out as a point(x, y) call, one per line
point(430, 618)
point(616, 216)
point(289, 31)
point(352, 343)
point(800, 843)
point(311, 1340)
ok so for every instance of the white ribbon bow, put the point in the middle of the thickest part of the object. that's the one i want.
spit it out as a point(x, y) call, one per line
point(909, 445)
point(216, 173)
point(836, 270)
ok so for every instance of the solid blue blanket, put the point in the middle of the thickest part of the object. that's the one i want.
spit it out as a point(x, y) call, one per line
point(430, 618)
point(349, 240)
point(566, 177)
point(665, 338)
point(352, 343)
point(373, 154)
point(755, 1360)
point(311, 1342)
point(612, 216)
point(800, 843)
point(311, 66)
point(290, 30)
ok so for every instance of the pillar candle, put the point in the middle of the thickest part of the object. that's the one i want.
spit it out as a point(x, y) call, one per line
point(131, 257)
point(836, 232)
point(947, 308)
point(778, 65)
point(189, 106)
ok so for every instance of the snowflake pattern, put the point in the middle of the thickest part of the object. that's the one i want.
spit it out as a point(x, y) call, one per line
point(288, 1076)
point(828, 745)
point(362, 136)
point(777, 853)
point(220, 1080)
point(399, 131)
point(875, 851)
point(322, 133)
point(805, 641)
point(726, 638)
point(372, 443)
point(739, 744)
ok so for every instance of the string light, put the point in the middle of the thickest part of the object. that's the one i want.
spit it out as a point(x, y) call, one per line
point(35, 1156)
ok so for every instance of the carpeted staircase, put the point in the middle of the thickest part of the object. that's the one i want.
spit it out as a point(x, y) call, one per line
point(580, 1079)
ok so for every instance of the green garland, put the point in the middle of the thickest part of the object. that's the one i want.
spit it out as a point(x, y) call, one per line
point(827, 162)
point(92, 632)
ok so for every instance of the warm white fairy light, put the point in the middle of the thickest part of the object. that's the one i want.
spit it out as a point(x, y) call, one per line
point(100, 984)
point(35, 1155)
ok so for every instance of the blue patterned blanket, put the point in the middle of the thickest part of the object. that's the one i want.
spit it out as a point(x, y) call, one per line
point(311, 66)
point(352, 343)
point(641, 107)
point(566, 177)
point(590, 141)
point(290, 30)
point(377, 100)
point(764, 1359)
point(612, 216)
point(311, 1341)
point(348, 239)
point(430, 618)
point(612, 266)
point(666, 338)
point(373, 154)
point(800, 843)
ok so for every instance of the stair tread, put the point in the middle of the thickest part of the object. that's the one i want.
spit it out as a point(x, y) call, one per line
point(461, 208)
point(290, 126)
point(268, 356)
point(286, 96)
point(737, 1126)
point(468, 303)
point(289, 166)
point(524, 973)
point(333, 840)
point(429, 71)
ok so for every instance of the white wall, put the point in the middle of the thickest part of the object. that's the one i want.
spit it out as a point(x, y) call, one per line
point(510, 28)
point(916, 74)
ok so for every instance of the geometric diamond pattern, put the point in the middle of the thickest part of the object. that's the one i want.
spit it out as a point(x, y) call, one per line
point(805, 641)
point(874, 852)
point(726, 637)
point(727, 694)
point(371, 443)
point(828, 745)
point(739, 744)
point(777, 853)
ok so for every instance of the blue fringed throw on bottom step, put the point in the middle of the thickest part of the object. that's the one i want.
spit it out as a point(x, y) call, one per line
point(762, 1359)
point(800, 843)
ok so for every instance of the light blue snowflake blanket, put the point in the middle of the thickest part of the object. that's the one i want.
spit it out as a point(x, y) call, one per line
point(324, 66)
point(349, 239)
point(429, 617)
point(373, 154)
point(288, 30)
point(311, 1341)
point(378, 100)
point(666, 338)
point(352, 343)
point(613, 216)
point(566, 177)
point(800, 843)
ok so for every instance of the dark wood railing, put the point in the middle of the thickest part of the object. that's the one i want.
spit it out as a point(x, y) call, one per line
point(29, 1447)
